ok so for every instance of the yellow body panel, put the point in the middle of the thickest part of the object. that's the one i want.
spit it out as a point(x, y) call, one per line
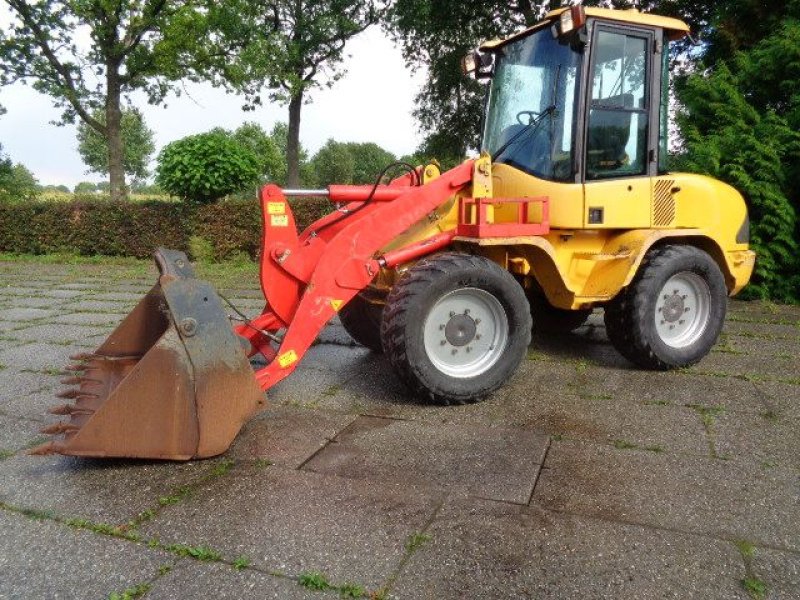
point(623, 202)
point(579, 265)
point(675, 29)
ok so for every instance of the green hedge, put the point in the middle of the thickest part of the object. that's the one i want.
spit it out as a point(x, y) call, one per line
point(230, 227)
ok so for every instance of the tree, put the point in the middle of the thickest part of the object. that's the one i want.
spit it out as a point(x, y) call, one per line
point(85, 187)
point(137, 142)
point(333, 163)
point(16, 181)
point(135, 45)
point(368, 161)
point(205, 167)
point(291, 46)
point(265, 148)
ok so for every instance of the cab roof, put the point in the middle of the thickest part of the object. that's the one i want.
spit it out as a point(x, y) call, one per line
point(674, 29)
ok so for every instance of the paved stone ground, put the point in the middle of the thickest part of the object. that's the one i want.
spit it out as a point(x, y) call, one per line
point(583, 478)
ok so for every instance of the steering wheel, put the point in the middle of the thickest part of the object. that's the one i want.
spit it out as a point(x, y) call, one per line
point(531, 114)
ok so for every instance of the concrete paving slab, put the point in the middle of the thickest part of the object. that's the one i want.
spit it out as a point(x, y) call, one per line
point(111, 492)
point(27, 395)
point(38, 302)
point(489, 462)
point(490, 550)
point(57, 334)
point(293, 521)
point(192, 579)
point(287, 436)
point(780, 571)
point(89, 318)
point(36, 356)
point(780, 398)
point(42, 559)
point(6, 327)
point(21, 315)
point(103, 306)
point(722, 498)
point(768, 439)
point(17, 433)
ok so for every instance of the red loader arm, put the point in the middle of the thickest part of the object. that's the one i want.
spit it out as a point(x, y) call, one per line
point(306, 279)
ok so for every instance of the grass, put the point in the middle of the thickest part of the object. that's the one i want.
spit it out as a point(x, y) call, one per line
point(595, 396)
point(770, 415)
point(656, 403)
point(351, 590)
point(708, 414)
point(203, 553)
point(225, 465)
point(745, 548)
point(131, 593)
point(241, 563)
point(173, 498)
point(4, 454)
point(755, 587)
point(314, 580)
point(416, 540)
point(626, 445)
point(263, 463)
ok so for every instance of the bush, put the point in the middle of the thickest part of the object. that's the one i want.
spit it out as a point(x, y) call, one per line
point(88, 227)
point(206, 167)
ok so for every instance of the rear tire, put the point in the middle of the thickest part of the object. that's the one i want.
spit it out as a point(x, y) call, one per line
point(549, 319)
point(361, 319)
point(455, 328)
point(672, 313)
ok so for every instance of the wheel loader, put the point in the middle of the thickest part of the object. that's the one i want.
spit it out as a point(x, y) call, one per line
point(569, 206)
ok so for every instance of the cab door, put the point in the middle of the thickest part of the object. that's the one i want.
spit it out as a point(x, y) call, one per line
point(616, 157)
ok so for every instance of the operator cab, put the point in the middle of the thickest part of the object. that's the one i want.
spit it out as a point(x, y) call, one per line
point(582, 98)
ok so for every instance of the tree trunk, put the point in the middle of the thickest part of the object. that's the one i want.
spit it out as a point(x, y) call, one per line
point(116, 150)
point(293, 142)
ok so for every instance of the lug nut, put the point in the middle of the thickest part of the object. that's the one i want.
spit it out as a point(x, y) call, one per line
point(681, 322)
point(477, 336)
point(477, 321)
point(469, 349)
point(452, 314)
point(466, 311)
point(443, 342)
point(441, 327)
point(455, 351)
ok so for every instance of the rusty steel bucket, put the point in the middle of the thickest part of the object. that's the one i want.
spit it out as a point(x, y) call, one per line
point(171, 382)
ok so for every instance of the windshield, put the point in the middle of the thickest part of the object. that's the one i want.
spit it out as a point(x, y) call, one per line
point(531, 76)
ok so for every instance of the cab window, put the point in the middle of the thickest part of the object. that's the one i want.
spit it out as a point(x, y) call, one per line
point(616, 144)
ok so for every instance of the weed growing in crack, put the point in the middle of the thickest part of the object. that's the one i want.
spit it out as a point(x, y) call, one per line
point(131, 593)
point(203, 553)
point(314, 580)
point(416, 540)
point(241, 563)
point(755, 587)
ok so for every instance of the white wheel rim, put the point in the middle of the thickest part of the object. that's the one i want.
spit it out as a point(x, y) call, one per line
point(682, 309)
point(466, 332)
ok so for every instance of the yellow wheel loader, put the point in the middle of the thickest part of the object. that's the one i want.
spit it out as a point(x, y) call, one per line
point(570, 206)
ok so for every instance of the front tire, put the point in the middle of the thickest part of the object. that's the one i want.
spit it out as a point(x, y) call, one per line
point(456, 327)
point(672, 313)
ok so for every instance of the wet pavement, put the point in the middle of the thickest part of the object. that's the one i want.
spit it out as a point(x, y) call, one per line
point(582, 478)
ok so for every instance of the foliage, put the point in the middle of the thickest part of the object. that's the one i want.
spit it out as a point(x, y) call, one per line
point(289, 46)
point(740, 123)
point(333, 163)
point(206, 167)
point(222, 230)
point(17, 183)
point(134, 45)
point(137, 141)
point(85, 187)
point(349, 162)
point(272, 162)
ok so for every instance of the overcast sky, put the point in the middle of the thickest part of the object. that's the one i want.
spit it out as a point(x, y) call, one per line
point(371, 103)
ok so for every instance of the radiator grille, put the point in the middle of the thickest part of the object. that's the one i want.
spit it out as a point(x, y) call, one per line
point(663, 203)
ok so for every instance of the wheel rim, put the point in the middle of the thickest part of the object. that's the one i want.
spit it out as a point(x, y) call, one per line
point(683, 309)
point(466, 332)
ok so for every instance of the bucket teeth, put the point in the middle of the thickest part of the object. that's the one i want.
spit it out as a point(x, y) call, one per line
point(60, 427)
point(75, 393)
point(79, 379)
point(70, 409)
point(47, 448)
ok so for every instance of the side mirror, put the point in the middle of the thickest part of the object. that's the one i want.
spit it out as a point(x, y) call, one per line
point(477, 64)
